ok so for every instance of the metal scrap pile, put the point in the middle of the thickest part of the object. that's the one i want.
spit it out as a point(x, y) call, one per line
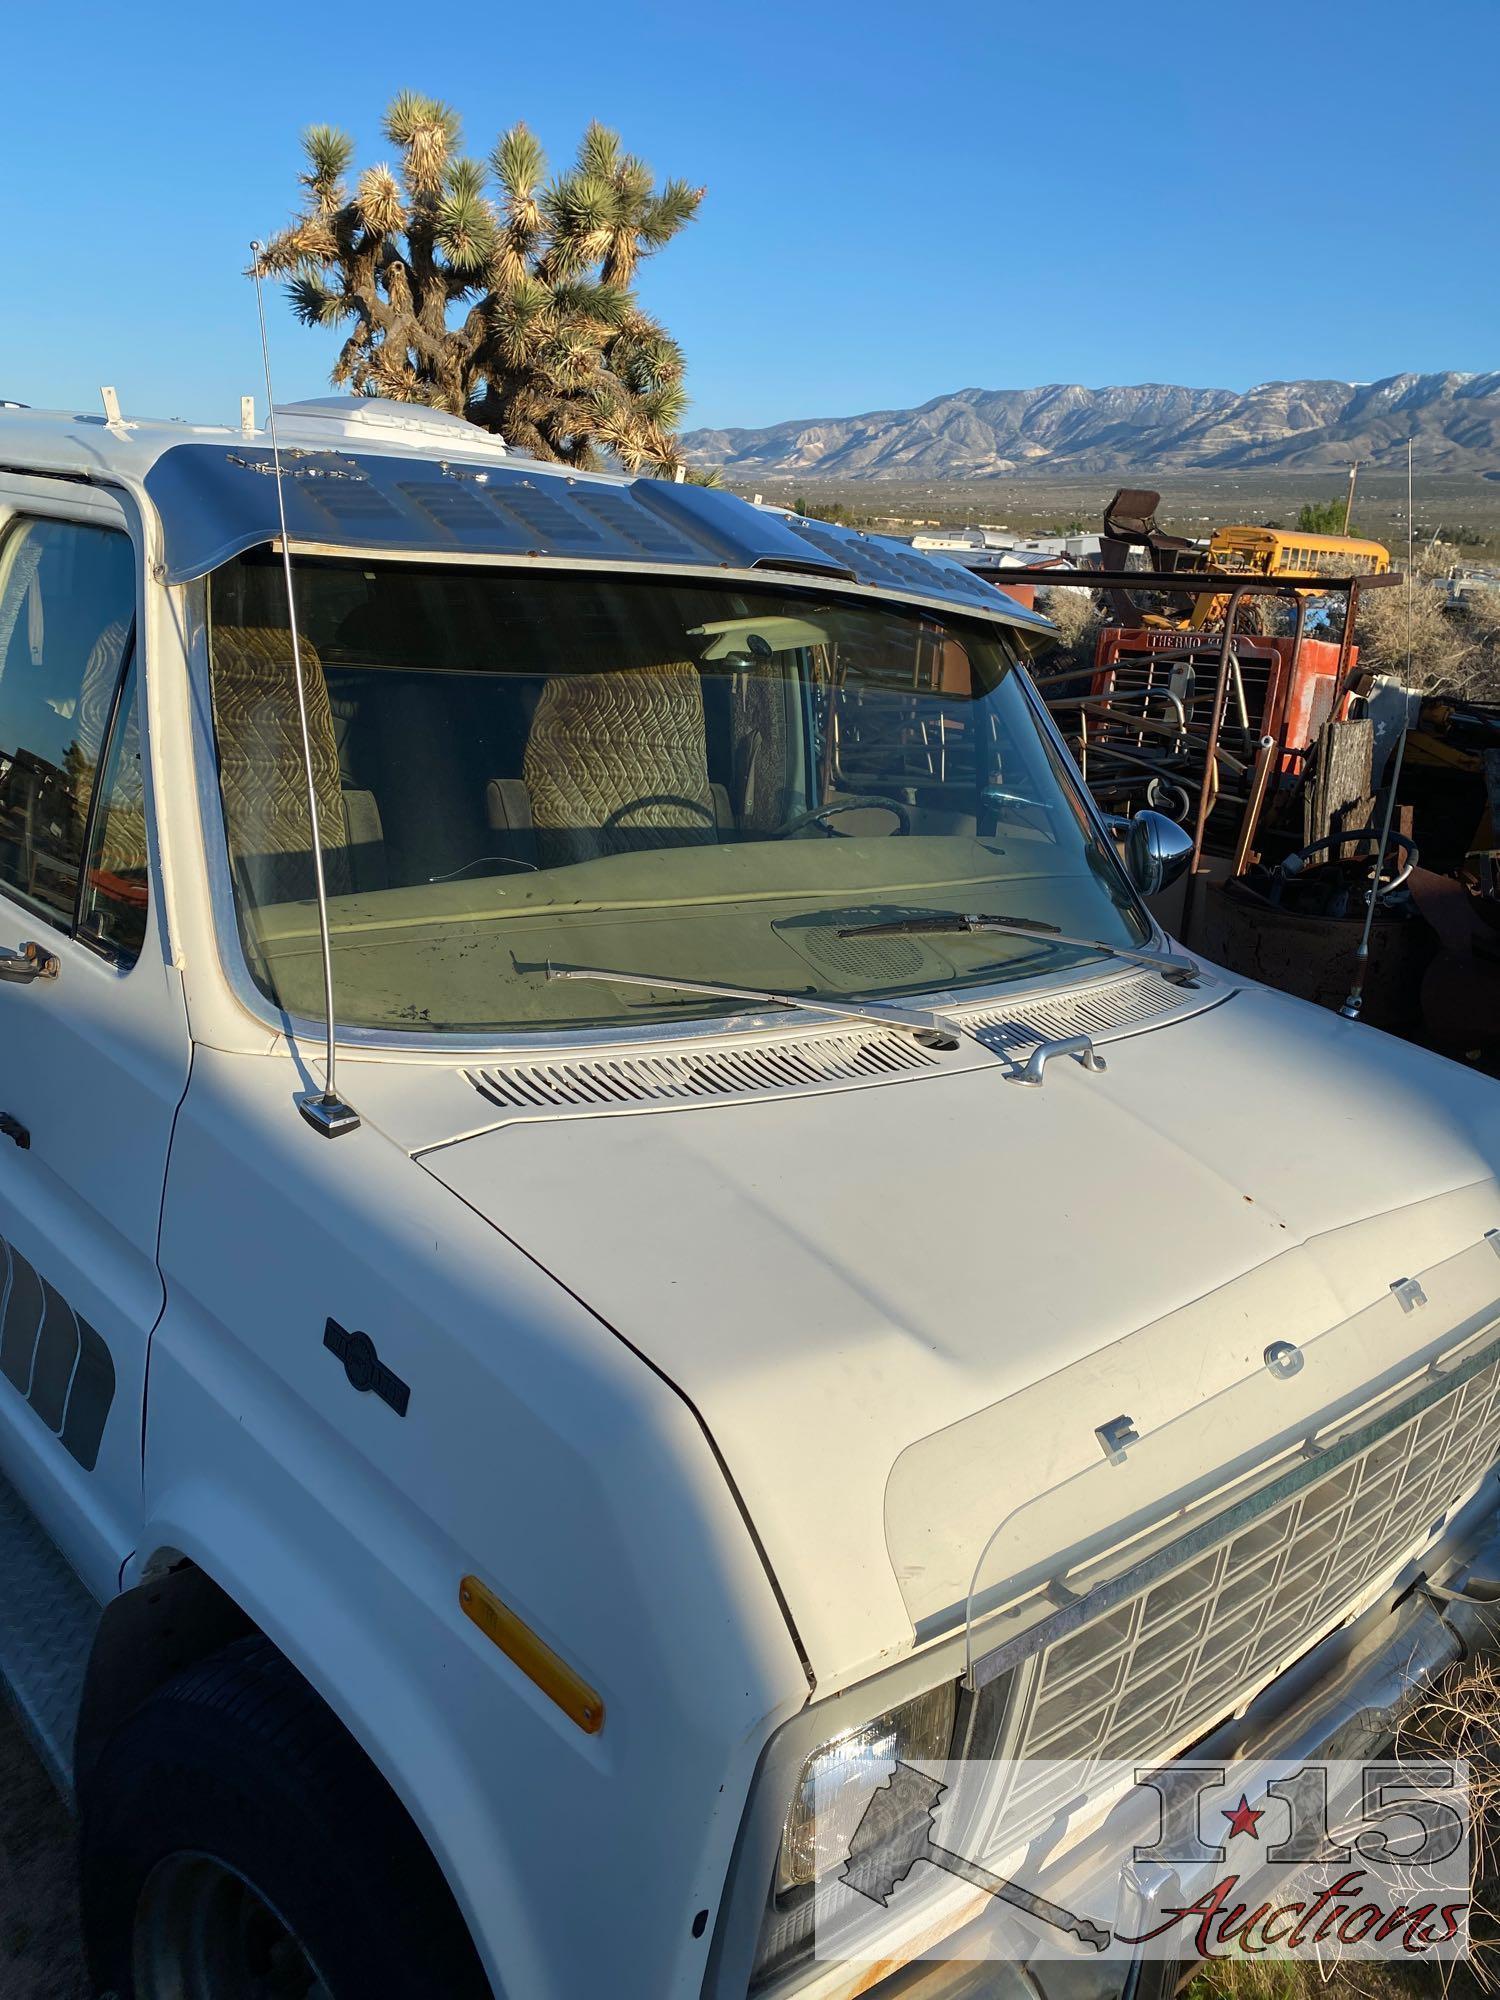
point(1309, 784)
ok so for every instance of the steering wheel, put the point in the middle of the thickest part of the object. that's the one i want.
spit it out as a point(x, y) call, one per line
point(1301, 863)
point(622, 813)
point(855, 802)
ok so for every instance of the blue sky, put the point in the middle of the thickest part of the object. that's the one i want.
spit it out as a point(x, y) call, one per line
point(902, 200)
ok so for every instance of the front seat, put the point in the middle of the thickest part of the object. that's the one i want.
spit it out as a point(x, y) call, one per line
point(263, 779)
point(619, 761)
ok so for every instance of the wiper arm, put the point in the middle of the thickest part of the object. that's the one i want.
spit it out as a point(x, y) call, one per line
point(932, 1030)
point(1179, 971)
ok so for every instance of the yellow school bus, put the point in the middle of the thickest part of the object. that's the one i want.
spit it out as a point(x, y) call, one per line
point(1287, 552)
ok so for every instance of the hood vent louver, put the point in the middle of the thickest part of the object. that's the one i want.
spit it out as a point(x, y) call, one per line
point(1143, 1001)
point(620, 1082)
point(616, 1080)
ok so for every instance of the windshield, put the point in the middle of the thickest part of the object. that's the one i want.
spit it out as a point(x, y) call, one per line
point(656, 777)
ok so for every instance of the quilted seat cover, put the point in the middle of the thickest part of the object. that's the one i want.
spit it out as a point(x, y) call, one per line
point(619, 761)
point(260, 763)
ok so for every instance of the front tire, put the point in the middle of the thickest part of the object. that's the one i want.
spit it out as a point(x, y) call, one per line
point(237, 1844)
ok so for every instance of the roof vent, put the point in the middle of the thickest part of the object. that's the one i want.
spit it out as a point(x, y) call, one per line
point(379, 416)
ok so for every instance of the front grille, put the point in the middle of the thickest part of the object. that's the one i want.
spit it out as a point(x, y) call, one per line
point(1168, 1662)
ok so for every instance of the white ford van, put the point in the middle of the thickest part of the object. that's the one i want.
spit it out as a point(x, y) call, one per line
point(792, 1265)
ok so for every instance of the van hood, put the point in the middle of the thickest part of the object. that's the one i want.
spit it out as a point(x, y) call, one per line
point(903, 1310)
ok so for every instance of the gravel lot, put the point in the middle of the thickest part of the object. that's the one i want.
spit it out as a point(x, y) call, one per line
point(40, 1956)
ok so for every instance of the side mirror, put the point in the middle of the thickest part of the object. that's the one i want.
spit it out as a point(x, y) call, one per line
point(1155, 849)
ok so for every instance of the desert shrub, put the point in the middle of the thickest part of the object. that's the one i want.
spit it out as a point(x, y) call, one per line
point(1076, 615)
point(1455, 649)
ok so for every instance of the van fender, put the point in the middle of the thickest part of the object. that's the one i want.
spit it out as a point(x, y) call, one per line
point(331, 1623)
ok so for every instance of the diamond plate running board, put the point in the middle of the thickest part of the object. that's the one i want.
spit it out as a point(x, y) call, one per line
point(47, 1626)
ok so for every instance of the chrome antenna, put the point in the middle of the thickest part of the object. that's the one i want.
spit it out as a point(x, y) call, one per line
point(325, 1111)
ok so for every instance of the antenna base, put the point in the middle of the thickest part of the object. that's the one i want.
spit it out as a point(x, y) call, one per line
point(328, 1115)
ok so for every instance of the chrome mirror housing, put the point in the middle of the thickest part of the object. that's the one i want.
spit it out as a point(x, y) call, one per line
point(1155, 849)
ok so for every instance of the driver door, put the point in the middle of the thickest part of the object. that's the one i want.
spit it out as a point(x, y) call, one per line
point(93, 1030)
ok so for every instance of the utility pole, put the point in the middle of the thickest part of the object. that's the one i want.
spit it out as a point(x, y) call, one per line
point(1356, 1000)
point(1349, 503)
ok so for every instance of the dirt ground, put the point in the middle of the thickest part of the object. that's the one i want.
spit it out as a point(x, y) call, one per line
point(40, 1955)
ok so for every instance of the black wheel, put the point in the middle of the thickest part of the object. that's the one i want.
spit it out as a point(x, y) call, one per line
point(236, 1844)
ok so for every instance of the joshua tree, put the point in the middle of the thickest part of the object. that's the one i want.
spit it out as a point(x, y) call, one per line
point(513, 309)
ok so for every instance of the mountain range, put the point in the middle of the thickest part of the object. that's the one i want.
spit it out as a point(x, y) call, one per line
point(987, 433)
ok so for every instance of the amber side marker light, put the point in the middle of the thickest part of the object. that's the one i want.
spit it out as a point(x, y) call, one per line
point(536, 1659)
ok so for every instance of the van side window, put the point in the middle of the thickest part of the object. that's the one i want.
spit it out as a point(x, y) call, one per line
point(112, 906)
point(67, 611)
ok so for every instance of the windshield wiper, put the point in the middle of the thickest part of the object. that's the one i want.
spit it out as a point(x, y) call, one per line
point(1179, 971)
point(932, 1030)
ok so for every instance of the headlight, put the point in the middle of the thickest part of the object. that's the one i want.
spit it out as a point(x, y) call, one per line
point(919, 1731)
